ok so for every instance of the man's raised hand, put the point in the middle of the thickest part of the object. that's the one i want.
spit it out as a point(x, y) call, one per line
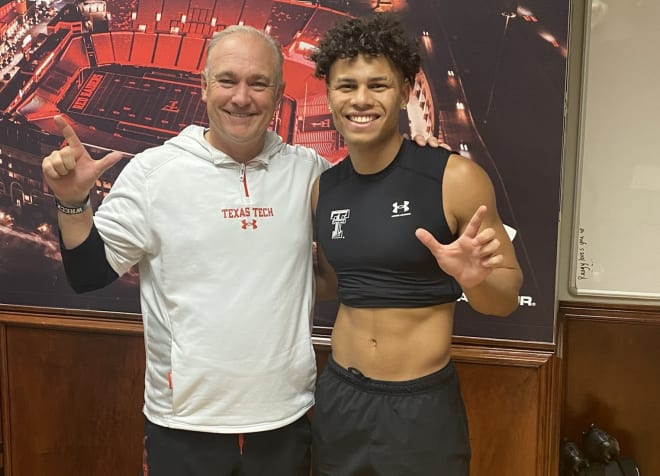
point(471, 257)
point(70, 172)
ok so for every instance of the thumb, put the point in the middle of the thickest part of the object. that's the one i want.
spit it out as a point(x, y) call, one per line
point(108, 160)
point(427, 239)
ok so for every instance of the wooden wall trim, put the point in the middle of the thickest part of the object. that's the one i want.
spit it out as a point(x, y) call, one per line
point(500, 356)
point(61, 312)
point(69, 322)
point(550, 407)
point(4, 401)
point(649, 315)
point(504, 343)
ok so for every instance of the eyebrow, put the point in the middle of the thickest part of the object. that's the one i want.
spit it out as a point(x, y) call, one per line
point(350, 80)
point(255, 77)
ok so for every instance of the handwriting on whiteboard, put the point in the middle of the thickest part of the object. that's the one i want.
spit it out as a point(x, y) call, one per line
point(585, 265)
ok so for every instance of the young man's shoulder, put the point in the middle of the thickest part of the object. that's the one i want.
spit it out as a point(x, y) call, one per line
point(424, 160)
point(411, 150)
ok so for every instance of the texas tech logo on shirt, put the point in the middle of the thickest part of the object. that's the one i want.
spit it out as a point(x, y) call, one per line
point(338, 218)
point(246, 217)
point(401, 209)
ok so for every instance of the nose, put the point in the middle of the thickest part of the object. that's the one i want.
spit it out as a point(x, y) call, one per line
point(361, 96)
point(241, 96)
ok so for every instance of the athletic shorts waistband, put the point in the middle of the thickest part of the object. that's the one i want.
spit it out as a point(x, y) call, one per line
point(405, 387)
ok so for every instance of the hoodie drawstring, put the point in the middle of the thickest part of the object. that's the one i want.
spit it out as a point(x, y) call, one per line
point(241, 442)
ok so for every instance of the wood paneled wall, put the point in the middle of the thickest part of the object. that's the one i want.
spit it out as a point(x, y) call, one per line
point(510, 396)
point(611, 363)
point(71, 391)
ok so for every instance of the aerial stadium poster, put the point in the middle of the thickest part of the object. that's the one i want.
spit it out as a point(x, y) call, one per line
point(126, 74)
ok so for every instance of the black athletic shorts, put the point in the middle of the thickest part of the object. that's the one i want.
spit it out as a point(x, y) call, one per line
point(365, 427)
point(284, 451)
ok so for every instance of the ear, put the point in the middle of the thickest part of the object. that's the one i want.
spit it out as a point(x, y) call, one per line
point(327, 97)
point(204, 84)
point(280, 93)
point(405, 92)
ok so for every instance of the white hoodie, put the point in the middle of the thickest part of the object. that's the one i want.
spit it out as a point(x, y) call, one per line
point(226, 280)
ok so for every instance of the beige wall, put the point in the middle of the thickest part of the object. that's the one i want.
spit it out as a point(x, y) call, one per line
point(632, 135)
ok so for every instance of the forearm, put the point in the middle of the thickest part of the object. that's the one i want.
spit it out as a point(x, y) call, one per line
point(85, 265)
point(496, 295)
point(326, 286)
point(75, 228)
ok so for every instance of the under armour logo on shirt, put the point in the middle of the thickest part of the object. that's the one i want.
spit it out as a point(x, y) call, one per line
point(401, 210)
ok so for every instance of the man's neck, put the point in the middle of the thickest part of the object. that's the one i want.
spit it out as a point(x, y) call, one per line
point(372, 158)
point(241, 153)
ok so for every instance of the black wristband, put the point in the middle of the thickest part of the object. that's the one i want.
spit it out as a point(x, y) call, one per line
point(76, 209)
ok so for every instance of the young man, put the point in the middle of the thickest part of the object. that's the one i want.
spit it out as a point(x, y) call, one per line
point(405, 229)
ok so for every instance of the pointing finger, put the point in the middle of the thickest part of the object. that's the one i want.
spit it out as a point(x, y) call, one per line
point(67, 132)
point(474, 224)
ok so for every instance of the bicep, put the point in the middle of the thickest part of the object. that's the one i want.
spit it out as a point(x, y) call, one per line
point(466, 186)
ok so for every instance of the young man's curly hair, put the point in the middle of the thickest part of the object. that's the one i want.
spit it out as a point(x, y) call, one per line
point(381, 34)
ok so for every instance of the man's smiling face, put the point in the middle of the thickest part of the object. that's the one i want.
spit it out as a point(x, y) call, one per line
point(241, 93)
point(366, 94)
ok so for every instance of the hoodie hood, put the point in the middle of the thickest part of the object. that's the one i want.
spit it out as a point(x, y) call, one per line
point(191, 139)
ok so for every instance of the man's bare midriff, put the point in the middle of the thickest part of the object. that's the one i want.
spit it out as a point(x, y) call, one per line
point(393, 344)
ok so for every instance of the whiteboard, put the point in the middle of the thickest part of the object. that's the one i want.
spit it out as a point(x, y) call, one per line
point(616, 239)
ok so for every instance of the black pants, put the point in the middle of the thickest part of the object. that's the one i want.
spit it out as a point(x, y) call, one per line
point(284, 451)
point(365, 427)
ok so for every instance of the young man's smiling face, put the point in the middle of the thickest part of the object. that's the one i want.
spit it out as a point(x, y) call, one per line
point(241, 93)
point(366, 94)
